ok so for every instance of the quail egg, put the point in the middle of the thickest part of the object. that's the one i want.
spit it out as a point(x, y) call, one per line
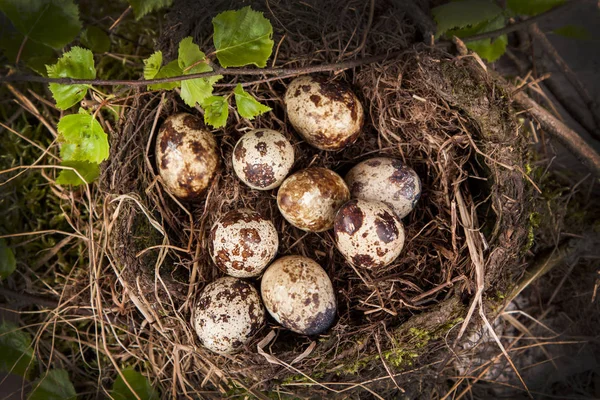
point(186, 155)
point(298, 293)
point(388, 180)
point(368, 233)
point(327, 114)
point(262, 158)
point(310, 198)
point(227, 313)
point(242, 243)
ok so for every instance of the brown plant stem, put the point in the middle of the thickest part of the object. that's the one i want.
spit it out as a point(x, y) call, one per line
point(218, 71)
point(561, 64)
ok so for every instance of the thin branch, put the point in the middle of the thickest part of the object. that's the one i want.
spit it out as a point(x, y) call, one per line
point(218, 71)
point(547, 47)
point(569, 138)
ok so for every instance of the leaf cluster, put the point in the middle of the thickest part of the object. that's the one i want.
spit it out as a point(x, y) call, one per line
point(465, 18)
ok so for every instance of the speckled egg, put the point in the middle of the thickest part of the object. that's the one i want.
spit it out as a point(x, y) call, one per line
point(227, 314)
point(242, 243)
point(298, 293)
point(327, 114)
point(368, 233)
point(186, 155)
point(310, 198)
point(388, 180)
point(262, 158)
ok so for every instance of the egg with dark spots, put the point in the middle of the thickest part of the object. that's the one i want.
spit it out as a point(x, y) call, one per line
point(262, 158)
point(310, 198)
point(368, 233)
point(328, 115)
point(186, 156)
point(388, 180)
point(227, 314)
point(298, 293)
point(242, 243)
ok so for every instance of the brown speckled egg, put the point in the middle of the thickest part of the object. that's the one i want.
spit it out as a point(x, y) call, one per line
point(227, 313)
point(298, 293)
point(262, 158)
point(310, 198)
point(368, 233)
point(186, 155)
point(388, 180)
point(242, 243)
point(327, 114)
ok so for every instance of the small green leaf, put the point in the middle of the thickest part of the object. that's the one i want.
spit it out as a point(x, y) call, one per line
point(89, 171)
point(15, 347)
point(55, 385)
point(83, 139)
point(95, 39)
point(248, 106)
point(138, 382)
point(488, 49)
point(167, 71)
point(51, 22)
point(143, 7)
point(532, 7)
point(461, 14)
point(77, 63)
point(573, 32)
point(152, 65)
point(242, 37)
point(194, 90)
point(216, 111)
point(35, 55)
point(8, 263)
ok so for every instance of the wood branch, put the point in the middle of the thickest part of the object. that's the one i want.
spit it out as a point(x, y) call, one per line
point(569, 138)
point(219, 71)
point(561, 64)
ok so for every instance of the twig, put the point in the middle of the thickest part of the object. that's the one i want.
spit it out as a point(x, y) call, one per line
point(569, 138)
point(218, 71)
point(541, 38)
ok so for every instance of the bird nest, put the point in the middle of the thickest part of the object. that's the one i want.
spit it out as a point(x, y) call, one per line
point(445, 117)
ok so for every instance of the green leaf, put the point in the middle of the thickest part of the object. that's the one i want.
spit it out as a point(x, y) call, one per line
point(152, 65)
point(191, 58)
point(15, 347)
point(248, 106)
point(461, 14)
point(216, 111)
point(95, 39)
point(35, 55)
point(77, 63)
point(242, 37)
point(488, 49)
point(8, 263)
point(83, 139)
point(532, 7)
point(573, 32)
point(143, 7)
point(89, 171)
point(55, 385)
point(51, 22)
point(138, 382)
point(167, 71)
